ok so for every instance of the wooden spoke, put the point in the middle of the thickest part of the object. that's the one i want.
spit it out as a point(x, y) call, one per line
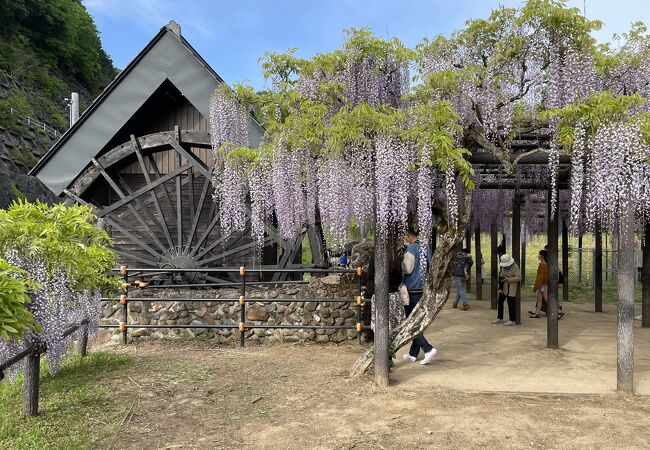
point(190, 180)
point(154, 198)
point(144, 190)
point(197, 215)
point(206, 233)
point(129, 205)
point(135, 256)
point(246, 247)
point(140, 207)
point(162, 214)
point(154, 166)
point(179, 206)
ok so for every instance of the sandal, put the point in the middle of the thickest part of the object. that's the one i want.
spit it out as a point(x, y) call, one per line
point(534, 316)
point(531, 312)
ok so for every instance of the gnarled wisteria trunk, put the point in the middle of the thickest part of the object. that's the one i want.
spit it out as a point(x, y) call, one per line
point(436, 292)
point(625, 285)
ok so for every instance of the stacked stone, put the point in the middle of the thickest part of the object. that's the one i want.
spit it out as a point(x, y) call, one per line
point(324, 312)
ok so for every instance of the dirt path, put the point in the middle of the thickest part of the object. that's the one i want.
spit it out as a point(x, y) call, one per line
point(189, 395)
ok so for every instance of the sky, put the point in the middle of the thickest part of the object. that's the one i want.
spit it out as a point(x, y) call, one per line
point(232, 35)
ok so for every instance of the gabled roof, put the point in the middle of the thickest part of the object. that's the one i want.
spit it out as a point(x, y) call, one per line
point(167, 57)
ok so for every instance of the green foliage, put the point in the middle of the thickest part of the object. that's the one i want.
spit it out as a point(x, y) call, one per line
point(64, 237)
point(16, 193)
point(62, 34)
point(23, 156)
point(15, 320)
point(13, 108)
point(600, 108)
point(326, 123)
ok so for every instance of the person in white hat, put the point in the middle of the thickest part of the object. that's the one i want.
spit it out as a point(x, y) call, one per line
point(509, 278)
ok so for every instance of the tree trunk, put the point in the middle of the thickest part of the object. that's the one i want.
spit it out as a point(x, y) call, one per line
point(645, 280)
point(315, 235)
point(626, 272)
point(552, 333)
point(436, 293)
point(30, 384)
point(381, 350)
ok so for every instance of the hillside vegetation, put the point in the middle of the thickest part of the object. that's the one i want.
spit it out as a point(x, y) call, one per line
point(48, 48)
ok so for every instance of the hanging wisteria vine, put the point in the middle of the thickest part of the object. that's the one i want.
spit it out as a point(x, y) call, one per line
point(65, 257)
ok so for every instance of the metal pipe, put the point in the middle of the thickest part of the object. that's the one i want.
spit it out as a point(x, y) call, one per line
point(230, 300)
point(236, 270)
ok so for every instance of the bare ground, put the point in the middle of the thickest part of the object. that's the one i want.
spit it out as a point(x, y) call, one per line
point(190, 395)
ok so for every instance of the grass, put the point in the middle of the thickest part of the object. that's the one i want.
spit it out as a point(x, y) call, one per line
point(75, 407)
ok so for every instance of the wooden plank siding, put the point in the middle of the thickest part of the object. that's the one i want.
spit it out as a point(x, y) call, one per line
point(186, 117)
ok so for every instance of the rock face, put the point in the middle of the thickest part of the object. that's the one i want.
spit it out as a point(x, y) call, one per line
point(329, 310)
point(20, 150)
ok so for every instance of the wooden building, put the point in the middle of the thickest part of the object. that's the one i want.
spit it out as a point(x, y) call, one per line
point(141, 154)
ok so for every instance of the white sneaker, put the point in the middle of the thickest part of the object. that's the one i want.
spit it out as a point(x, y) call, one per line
point(509, 323)
point(498, 322)
point(408, 357)
point(429, 356)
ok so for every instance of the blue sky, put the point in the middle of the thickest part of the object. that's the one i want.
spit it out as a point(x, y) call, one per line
point(232, 35)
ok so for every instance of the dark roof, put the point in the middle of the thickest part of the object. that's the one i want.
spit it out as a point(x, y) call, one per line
point(167, 58)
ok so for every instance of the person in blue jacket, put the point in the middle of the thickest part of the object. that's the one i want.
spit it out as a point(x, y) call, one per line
point(415, 267)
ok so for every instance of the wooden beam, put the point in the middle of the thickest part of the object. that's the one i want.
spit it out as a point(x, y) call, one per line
point(145, 171)
point(192, 159)
point(130, 207)
point(142, 190)
point(197, 215)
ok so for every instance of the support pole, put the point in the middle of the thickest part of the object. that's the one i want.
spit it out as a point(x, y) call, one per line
point(382, 311)
point(625, 285)
point(30, 383)
point(82, 345)
point(242, 307)
point(580, 258)
point(645, 279)
point(468, 245)
point(598, 269)
point(479, 266)
point(516, 248)
point(494, 264)
point(565, 261)
point(523, 263)
point(551, 307)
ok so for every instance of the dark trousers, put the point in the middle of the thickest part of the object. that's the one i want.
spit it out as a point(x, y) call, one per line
point(420, 342)
point(511, 306)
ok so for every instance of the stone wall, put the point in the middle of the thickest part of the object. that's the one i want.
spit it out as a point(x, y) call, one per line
point(334, 286)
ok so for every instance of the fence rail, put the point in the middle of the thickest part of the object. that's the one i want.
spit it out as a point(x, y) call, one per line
point(32, 357)
point(35, 123)
point(243, 325)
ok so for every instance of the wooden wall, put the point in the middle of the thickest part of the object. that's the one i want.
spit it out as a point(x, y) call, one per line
point(186, 117)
